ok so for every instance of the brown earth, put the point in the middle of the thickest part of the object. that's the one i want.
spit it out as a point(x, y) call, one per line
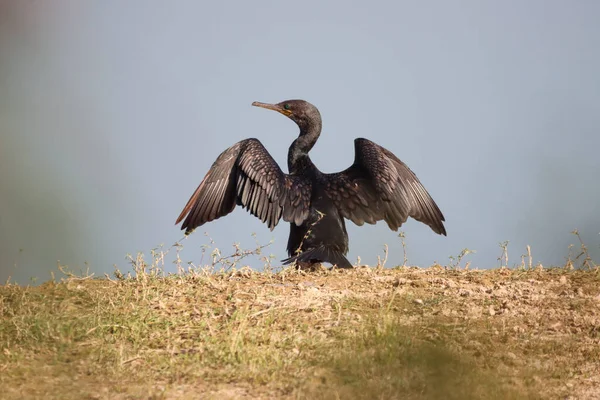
point(365, 333)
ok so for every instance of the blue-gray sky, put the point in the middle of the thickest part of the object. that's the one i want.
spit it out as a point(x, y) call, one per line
point(112, 112)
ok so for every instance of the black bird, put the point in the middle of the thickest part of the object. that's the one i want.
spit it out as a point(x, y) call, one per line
point(378, 186)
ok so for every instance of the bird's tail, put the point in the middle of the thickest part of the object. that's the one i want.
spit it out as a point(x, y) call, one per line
point(321, 253)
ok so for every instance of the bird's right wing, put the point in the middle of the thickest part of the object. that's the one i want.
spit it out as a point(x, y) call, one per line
point(245, 174)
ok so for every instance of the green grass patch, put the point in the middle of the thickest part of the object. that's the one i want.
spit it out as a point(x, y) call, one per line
point(388, 360)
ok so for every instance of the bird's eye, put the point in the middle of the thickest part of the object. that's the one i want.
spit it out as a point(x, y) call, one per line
point(287, 106)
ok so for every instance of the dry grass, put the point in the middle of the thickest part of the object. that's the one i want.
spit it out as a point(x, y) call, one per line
point(367, 333)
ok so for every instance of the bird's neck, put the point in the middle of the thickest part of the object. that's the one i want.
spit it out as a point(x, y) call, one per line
point(298, 159)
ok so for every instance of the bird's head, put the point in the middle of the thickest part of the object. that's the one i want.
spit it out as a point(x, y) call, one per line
point(304, 114)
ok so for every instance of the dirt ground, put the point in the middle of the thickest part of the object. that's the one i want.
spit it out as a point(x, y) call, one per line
point(365, 333)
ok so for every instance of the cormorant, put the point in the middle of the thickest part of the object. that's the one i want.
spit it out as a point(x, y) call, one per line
point(377, 186)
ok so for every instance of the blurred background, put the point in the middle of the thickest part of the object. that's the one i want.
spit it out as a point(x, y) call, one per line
point(112, 112)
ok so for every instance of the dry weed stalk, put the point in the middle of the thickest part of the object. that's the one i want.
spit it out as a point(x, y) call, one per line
point(503, 259)
point(231, 261)
point(381, 263)
point(530, 259)
point(144, 270)
point(309, 231)
point(70, 276)
point(587, 260)
point(155, 268)
point(402, 237)
point(455, 261)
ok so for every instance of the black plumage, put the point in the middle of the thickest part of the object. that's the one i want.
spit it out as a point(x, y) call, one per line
point(377, 186)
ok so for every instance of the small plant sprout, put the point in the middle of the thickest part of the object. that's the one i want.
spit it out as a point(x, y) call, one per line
point(380, 262)
point(455, 261)
point(402, 237)
point(587, 261)
point(503, 259)
point(530, 260)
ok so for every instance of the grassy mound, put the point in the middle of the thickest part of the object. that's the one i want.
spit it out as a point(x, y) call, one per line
point(368, 333)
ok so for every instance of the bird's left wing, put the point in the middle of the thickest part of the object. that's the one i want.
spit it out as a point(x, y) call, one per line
point(378, 186)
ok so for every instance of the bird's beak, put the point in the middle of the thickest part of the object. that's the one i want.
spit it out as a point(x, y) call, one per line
point(274, 107)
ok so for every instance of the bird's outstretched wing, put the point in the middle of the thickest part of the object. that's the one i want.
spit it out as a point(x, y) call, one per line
point(245, 174)
point(378, 186)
